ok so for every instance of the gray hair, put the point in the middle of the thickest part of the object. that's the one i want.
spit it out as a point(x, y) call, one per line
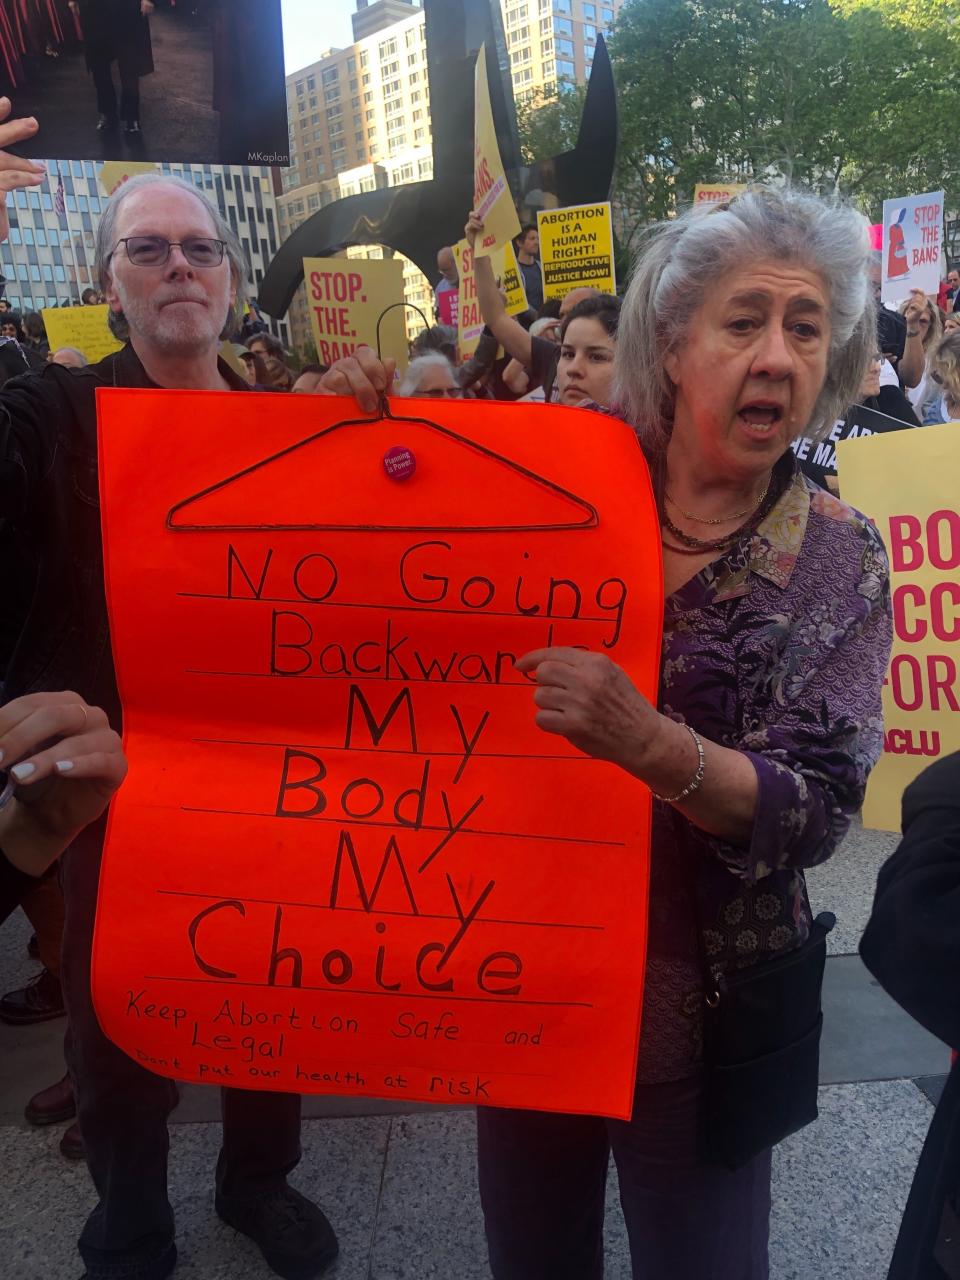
point(107, 239)
point(410, 382)
point(677, 257)
point(74, 351)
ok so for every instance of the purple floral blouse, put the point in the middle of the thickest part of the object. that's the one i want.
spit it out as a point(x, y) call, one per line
point(778, 649)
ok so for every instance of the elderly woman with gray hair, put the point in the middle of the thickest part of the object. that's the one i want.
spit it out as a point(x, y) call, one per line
point(775, 643)
point(432, 375)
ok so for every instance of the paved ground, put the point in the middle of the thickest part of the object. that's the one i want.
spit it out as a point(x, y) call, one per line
point(401, 1187)
point(176, 106)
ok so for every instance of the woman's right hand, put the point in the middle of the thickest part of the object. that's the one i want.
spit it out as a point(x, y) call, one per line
point(473, 228)
point(363, 375)
point(66, 762)
point(15, 172)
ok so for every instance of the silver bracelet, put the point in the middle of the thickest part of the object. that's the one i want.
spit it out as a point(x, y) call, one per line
point(697, 778)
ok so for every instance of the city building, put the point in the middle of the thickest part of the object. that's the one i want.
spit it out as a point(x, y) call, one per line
point(48, 258)
point(551, 42)
point(360, 117)
point(372, 18)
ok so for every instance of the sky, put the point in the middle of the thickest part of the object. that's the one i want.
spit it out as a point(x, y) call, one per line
point(312, 26)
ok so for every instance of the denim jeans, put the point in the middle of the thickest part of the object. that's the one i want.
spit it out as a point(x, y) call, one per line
point(123, 1110)
point(543, 1179)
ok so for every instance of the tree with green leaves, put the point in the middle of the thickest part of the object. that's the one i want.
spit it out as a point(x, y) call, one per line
point(855, 96)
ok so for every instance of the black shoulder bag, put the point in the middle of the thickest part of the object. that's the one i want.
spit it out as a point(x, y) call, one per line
point(761, 1048)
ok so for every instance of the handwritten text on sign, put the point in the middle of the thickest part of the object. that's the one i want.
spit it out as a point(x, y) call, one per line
point(346, 860)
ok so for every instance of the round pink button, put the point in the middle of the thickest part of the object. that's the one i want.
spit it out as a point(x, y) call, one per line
point(399, 462)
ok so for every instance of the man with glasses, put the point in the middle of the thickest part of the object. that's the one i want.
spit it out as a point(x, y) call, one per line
point(175, 281)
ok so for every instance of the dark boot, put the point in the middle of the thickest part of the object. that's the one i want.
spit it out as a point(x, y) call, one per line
point(52, 1105)
point(292, 1233)
point(39, 1001)
point(71, 1144)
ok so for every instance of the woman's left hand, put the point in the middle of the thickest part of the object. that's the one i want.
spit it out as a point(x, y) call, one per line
point(593, 703)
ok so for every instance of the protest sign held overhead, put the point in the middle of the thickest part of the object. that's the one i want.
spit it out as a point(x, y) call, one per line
point(576, 249)
point(906, 483)
point(448, 307)
point(506, 270)
point(345, 859)
point(202, 83)
point(469, 319)
point(84, 328)
point(347, 297)
point(912, 245)
point(492, 197)
point(818, 458)
point(716, 192)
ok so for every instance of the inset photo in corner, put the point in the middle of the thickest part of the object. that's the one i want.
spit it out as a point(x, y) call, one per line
point(195, 81)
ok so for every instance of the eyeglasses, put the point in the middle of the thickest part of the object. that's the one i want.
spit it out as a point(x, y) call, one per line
point(439, 393)
point(154, 251)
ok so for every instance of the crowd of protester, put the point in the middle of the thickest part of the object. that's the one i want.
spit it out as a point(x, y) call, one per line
point(716, 383)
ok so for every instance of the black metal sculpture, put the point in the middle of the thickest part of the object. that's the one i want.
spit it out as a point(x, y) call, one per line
point(418, 218)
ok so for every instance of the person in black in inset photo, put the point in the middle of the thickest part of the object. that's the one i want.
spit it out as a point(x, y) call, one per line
point(117, 31)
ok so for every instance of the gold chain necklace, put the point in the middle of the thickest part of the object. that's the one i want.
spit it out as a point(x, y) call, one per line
point(737, 515)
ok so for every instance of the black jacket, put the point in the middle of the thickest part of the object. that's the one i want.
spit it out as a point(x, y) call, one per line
point(49, 494)
point(912, 945)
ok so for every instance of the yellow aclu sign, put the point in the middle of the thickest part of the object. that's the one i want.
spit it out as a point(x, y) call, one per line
point(905, 481)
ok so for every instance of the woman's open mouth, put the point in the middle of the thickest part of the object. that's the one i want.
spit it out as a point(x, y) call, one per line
point(760, 418)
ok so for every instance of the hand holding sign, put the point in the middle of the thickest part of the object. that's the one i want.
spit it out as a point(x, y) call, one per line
point(363, 375)
point(15, 172)
point(593, 703)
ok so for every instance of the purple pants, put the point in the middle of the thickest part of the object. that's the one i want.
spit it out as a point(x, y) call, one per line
point(542, 1180)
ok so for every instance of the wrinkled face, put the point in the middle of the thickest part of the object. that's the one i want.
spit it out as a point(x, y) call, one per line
point(437, 381)
point(585, 366)
point(175, 307)
point(751, 367)
point(870, 386)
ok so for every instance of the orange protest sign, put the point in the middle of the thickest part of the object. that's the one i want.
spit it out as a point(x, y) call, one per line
point(346, 860)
